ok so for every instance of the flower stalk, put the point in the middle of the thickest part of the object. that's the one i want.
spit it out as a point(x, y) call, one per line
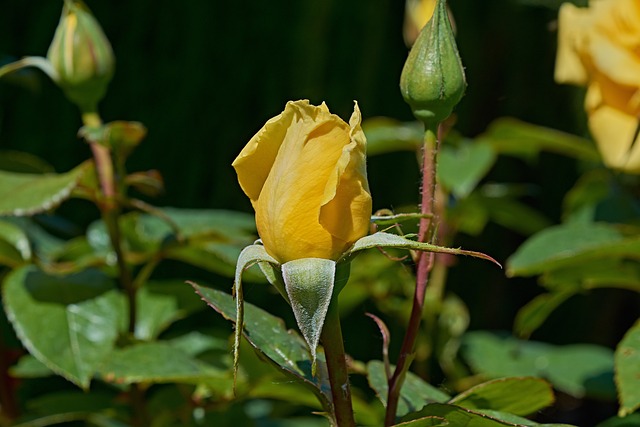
point(337, 367)
point(426, 233)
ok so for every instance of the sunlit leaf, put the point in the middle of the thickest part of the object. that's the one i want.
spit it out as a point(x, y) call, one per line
point(14, 245)
point(24, 194)
point(568, 244)
point(518, 396)
point(267, 334)
point(462, 417)
point(70, 323)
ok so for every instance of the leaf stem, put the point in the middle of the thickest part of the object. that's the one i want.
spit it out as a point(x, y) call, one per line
point(426, 233)
point(337, 366)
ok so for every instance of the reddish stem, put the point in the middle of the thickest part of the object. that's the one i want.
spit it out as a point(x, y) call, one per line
point(424, 265)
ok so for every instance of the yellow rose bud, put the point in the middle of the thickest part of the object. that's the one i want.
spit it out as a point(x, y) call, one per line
point(81, 55)
point(432, 80)
point(598, 48)
point(305, 173)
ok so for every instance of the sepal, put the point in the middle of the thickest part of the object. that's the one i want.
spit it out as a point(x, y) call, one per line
point(249, 256)
point(309, 283)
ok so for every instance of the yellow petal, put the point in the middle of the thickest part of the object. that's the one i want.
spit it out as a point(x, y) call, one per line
point(617, 138)
point(255, 161)
point(574, 26)
point(346, 207)
point(288, 207)
point(615, 61)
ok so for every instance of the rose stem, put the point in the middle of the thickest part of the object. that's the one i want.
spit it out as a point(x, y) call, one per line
point(424, 265)
point(110, 211)
point(337, 366)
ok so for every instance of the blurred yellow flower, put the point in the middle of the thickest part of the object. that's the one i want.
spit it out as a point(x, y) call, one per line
point(416, 15)
point(599, 47)
point(305, 174)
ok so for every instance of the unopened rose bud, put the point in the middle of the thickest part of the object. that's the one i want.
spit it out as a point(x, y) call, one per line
point(433, 80)
point(81, 55)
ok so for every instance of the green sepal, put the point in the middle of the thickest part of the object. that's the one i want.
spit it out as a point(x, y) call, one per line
point(309, 283)
point(249, 256)
point(388, 240)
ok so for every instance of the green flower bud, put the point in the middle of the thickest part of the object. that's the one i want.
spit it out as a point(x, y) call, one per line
point(432, 80)
point(81, 55)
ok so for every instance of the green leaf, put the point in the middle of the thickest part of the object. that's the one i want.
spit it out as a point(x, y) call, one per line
point(155, 313)
point(14, 245)
point(160, 362)
point(632, 420)
point(22, 162)
point(44, 245)
point(70, 323)
point(627, 367)
point(601, 273)
point(386, 135)
point(568, 244)
point(29, 367)
point(24, 194)
point(514, 137)
point(578, 369)
point(415, 392)
point(462, 417)
point(460, 169)
point(388, 240)
point(535, 312)
point(268, 336)
point(426, 422)
point(518, 396)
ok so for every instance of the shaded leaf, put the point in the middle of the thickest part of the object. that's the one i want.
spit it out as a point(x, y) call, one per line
point(517, 138)
point(415, 392)
point(627, 367)
point(632, 420)
point(518, 396)
point(578, 369)
point(30, 367)
point(535, 312)
point(160, 362)
point(22, 162)
point(24, 194)
point(460, 169)
point(386, 135)
point(70, 323)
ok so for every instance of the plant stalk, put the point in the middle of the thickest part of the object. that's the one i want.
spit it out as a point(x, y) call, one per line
point(110, 211)
point(337, 366)
point(426, 233)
